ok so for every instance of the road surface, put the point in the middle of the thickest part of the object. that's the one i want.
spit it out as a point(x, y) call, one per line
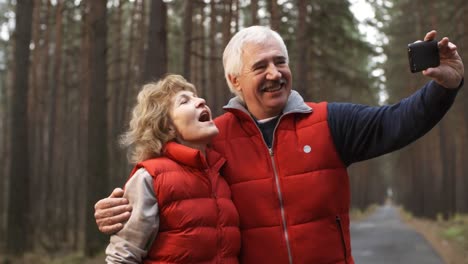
point(383, 238)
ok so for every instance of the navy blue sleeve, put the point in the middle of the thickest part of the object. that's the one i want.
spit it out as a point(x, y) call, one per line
point(362, 132)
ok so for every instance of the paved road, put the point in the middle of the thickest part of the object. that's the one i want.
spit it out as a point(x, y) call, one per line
point(383, 238)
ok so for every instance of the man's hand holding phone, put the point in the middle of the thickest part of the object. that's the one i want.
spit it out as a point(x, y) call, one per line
point(449, 71)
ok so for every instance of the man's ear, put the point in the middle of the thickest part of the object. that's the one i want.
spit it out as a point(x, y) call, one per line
point(234, 81)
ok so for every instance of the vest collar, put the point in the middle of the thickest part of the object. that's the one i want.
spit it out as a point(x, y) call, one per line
point(193, 157)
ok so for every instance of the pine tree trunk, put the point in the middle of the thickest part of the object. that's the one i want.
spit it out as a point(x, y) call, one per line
point(97, 175)
point(156, 58)
point(213, 88)
point(58, 133)
point(140, 45)
point(254, 12)
point(19, 208)
point(301, 49)
point(188, 13)
point(34, 123)
point(274, 14)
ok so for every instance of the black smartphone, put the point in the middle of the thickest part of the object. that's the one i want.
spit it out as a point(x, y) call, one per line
point(423, 55)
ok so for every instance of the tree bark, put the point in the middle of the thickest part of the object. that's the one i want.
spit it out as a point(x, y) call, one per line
point(227, 19)
point(212, 91)
point(140, 44)
point(156, 58)
point(34, 115)
point(58, 132)
point(254, 12)
point(274, 14)
point(302, 48)
point(97, 175)
point(19, 208)
point(187, 38)
point(44, 105)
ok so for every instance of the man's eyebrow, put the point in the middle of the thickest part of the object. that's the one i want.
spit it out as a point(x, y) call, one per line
point(258, 63)
point(275, 58)
point(279, 57)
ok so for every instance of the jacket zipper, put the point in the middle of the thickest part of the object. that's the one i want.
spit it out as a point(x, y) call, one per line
point(343, 242)
point(278, 188)
point(280, 197)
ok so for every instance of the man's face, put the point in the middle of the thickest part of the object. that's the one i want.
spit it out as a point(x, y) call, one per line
point(265, 79)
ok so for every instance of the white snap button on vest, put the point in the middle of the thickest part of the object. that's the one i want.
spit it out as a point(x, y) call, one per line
point(307, 149)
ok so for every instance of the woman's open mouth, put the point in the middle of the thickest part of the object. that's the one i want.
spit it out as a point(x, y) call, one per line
point(204, 117)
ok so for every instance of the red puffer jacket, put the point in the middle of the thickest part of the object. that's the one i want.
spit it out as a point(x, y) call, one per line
point(293, 199)
point(198, 222)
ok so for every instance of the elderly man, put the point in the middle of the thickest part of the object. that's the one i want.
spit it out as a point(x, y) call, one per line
point(287, 159)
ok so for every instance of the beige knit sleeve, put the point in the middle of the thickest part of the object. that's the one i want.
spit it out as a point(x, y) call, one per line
point(131, 244)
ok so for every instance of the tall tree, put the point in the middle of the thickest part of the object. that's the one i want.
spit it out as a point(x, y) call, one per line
point(254, 11)
point(188, 14)
point(116, 88)
point(223, 94)
point(213, 90)
point(18, 209)
point(132, 51)
point(273, 8)
point(141, 42)
point(302, 47)
point(156, 58)
point(198, 68)
point(34, 124)
point(84, 88)
point(227, 19)
point(97, 175)
point(39, 107)
point(5, 80)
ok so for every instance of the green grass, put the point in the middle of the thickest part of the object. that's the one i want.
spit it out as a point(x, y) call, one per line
point(71, 258)
point(456, 229)
point(356, 214)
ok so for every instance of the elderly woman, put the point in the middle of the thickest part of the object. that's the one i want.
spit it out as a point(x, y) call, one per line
point(182, 208)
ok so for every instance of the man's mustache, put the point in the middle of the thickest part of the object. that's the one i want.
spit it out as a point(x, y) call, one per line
point(273, 83)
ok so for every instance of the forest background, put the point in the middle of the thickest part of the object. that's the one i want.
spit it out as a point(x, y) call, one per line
point(70, 70)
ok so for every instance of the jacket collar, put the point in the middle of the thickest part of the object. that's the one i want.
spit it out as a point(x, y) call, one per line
point(295, 104)
point(193, 157)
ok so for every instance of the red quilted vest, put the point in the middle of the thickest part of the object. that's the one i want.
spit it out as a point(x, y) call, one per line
point(198, 221)
point(293, 200)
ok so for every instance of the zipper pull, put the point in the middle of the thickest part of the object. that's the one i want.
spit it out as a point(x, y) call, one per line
point(271, 151)
point(340, 229)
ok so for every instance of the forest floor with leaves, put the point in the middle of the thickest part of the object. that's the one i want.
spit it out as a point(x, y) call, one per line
point(448, 237)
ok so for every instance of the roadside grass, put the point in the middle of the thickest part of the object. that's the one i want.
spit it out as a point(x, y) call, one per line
point(70, 258)
point(448, 237)
point(356, 214)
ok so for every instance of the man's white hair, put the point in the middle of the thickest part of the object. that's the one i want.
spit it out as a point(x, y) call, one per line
point(232, 55)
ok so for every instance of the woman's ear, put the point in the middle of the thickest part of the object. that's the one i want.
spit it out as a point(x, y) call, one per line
point(174, 134)
point(172, 130)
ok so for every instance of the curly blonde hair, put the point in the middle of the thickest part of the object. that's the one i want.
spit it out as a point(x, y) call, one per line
point(149, 128)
